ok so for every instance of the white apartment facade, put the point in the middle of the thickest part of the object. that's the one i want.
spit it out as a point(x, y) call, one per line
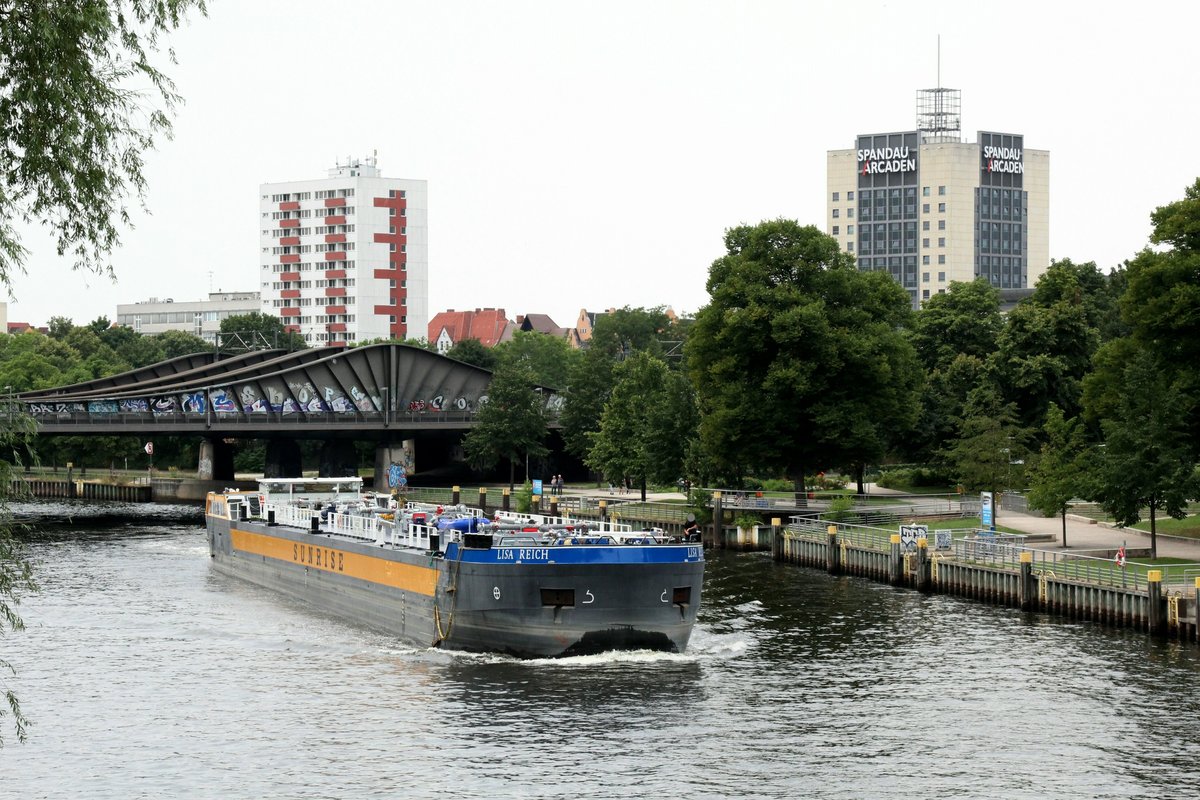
point(344, 258)
point(198, 317)
point(929, 208)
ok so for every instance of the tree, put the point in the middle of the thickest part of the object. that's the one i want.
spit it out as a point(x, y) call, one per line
point(615, 336)
point(179, 343)
point(1055, 478)
point(17, 435)
point(955, 335)
point(74, 127)
point(472, 351)
point(790, 325)
point(511, 424)
point(991, 447)
point(1147, 460)
point(548, 358)
point(253, 331)
point(646, 425)
point(1041, 357)
point(73, 131)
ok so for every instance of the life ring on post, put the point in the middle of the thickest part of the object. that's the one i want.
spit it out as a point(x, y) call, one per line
point(1120, 559)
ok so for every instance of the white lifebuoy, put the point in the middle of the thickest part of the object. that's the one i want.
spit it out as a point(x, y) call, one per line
point(1120, 559)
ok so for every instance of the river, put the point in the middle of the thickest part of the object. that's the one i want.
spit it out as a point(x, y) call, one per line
point(149, 676)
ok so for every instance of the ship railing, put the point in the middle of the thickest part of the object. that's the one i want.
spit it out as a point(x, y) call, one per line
point(540, 520)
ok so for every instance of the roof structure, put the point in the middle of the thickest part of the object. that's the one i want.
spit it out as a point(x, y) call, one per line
point(489, 325)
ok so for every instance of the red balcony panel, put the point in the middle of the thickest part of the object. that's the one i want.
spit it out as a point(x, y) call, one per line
point(390, 202)
point(289, 312)
point(340, 255)
point(331, 202)
point(289, 276)
point(289, 241)
point(387, 311)
point(335, 309)
point(288, 293)
point(387, 274)
point(334, 237)
point(335, 344)
point(290, 206)
point(333, 220)
point(289, 223)
point(335, 291)
point(291, 328)
point(290, 258)
point(336, 327)
point(332, 274)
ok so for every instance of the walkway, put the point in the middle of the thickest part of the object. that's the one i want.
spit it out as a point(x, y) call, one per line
point(1085, 534)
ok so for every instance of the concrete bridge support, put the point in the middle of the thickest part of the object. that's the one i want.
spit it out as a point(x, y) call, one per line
point(216, 460)
point(389, 453)
point(338, 459)
point(282, 459)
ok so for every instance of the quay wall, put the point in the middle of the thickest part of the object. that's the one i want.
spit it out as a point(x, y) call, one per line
point(1148, 605)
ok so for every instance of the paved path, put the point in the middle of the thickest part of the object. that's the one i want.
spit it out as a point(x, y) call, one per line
point(1084, 534)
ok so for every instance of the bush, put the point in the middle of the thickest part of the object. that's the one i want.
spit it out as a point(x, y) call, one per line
point(913, 477)
point(748, 521)
point(840, 509)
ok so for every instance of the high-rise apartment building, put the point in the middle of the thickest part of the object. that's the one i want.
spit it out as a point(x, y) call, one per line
point(929, 208)
point(345, 258)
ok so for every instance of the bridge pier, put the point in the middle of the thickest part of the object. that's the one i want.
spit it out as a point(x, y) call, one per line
point(338, 459)
point(389, 453)
point(216, 460)
point(282, 459)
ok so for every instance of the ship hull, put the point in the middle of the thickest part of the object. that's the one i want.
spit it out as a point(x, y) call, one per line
point(526, 602)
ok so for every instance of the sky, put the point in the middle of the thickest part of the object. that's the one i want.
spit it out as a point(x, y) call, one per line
point(591, 154)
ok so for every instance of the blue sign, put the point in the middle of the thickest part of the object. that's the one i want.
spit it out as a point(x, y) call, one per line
point(987, 518)
point(537, 486)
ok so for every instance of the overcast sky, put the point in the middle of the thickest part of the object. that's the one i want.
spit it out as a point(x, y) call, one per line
point(591, 154)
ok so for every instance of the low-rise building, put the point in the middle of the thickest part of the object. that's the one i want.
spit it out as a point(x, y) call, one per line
point(198, 317)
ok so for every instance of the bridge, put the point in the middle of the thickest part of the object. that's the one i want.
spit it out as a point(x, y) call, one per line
point(390, 393)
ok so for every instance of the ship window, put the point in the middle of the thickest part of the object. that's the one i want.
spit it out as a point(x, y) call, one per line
point(558, 597)
point(682, 595)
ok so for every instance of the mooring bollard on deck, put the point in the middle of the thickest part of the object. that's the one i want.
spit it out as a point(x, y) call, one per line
point(536, 502)
point(833, 562)
point(1156, 617)
point(1026, 584)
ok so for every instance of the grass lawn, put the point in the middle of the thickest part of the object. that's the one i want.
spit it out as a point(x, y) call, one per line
point(1188, 526)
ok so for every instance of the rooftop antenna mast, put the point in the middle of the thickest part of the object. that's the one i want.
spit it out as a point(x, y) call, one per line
point(939, 110)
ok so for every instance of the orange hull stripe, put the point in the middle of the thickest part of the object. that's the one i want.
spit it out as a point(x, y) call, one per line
point(422, 580)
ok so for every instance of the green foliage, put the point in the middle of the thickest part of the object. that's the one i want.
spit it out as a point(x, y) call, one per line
point(747, 521)
point(989, 453)
point(1148, 460)
point(511, 424)
point(80, 104)
point(243, 332)
point(799, 360)
point(523, 498)
point(914, 478)
point(646, 424)
point(472, 351)
point(1055, 477)
point(18, 432)
point(548, 358)
point(841, 509)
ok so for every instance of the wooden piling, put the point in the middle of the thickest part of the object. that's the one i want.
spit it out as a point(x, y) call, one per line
point(1156, 616)
point(924, 569)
